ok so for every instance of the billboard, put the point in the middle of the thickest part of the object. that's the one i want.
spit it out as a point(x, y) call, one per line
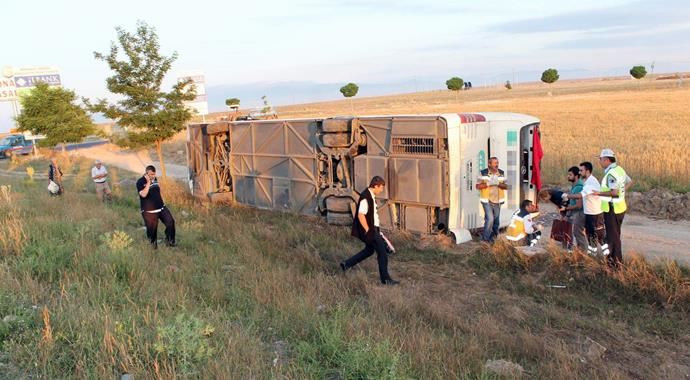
point(8, 89)
point(15, 82)
point(200, 104)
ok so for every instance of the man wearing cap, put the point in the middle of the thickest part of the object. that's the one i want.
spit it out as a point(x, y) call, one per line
point(613, 205)
point(99, 174)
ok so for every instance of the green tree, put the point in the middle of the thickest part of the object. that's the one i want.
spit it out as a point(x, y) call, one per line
point(638, 72)
point(455, 84)
point(53, 112)
point(349, 91)
point(151, 115)
point(550, 76)
point(232, 102)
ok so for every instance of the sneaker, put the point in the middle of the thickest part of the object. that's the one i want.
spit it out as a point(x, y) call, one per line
point(343, 267)
point(391, 282)
point(171, 244)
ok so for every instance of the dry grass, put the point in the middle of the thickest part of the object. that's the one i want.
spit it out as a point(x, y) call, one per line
point(252, 294)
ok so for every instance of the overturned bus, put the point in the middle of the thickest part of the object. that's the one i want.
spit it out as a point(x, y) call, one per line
point(431, 164)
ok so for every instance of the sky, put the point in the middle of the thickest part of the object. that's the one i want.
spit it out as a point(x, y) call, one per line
point(304, 50)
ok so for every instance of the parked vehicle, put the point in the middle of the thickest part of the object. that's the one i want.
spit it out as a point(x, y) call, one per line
point(318, 166)
point(15, 145)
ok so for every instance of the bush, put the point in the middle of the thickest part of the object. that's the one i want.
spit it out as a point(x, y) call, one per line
point(185, 342)
point(116, 241)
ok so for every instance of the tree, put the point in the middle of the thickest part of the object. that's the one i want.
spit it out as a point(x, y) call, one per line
point(350, 90)
point(550, 76)
point(152, 115)
point(638, 72)
point(455, 84)
point(232, 102)
point(52, 111)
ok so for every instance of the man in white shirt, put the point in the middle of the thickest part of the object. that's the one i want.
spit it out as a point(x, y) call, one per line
point(594, 216)
point(99, 174)
point(365, 226)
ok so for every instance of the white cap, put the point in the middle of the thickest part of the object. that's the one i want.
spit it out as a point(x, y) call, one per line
point(607, 153)
point(98, 162)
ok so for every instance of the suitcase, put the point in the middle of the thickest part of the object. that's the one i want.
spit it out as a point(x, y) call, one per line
point(562, 231)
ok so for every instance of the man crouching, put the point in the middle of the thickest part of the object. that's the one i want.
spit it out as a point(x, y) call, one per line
point(365, 227)
point(522, 226)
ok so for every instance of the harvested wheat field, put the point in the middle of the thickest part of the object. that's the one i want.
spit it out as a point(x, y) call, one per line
point(646, 122)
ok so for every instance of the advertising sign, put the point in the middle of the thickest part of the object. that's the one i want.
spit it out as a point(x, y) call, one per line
point(200, 104)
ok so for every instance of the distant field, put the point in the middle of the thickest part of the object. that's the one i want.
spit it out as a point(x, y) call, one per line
point(646, 122)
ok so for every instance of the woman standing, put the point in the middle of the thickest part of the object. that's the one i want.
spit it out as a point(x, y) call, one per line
point(55, 175)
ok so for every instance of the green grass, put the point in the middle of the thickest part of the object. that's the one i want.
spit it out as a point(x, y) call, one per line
point(254, 294)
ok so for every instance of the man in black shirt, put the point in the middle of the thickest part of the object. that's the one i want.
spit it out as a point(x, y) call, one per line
point(153, 208)
point(365, 226)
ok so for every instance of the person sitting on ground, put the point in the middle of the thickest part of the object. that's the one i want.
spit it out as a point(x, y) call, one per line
point(522, 228)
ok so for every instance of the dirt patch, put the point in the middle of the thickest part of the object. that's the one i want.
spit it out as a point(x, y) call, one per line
point(661, 203)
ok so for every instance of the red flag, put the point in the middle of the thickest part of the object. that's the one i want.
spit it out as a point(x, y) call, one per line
point(537, 154)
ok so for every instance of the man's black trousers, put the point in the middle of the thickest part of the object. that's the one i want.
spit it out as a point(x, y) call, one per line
point(378, 246)
point(596, 233)
point(613, 224)
point(151, 222)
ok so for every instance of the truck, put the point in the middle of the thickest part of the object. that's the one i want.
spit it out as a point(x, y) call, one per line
point(15, 145)
point(319, 166)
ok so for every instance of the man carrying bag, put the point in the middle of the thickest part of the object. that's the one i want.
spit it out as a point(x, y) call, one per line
point(365, 227)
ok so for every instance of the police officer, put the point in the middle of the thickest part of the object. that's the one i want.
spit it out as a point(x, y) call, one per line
point(613, 205)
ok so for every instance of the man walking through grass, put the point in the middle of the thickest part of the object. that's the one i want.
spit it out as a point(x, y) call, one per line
point(365, 227)
point(99, 174)
point(153, 208)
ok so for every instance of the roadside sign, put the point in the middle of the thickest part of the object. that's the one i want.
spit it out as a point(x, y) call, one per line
point(200, 103)
point(32, 80)
point(8, 89)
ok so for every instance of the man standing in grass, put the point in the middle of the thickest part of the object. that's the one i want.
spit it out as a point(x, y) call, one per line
point(153, 208)
point(365, 227)
point(612, 195)
point(573, 209)
point(492, 194)
point(594, 217)
point(99, 174)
